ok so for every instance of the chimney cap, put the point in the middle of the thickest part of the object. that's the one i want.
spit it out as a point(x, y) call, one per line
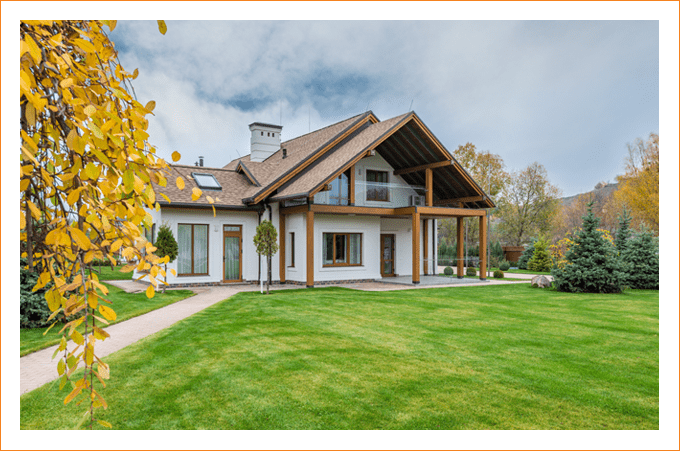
point(262, 124)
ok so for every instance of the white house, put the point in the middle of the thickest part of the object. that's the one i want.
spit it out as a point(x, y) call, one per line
point(355, 201)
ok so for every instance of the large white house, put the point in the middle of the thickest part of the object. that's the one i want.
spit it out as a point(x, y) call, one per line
point(355, 201)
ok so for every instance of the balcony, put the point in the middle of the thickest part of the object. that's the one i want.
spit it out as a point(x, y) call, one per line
point(373, 194)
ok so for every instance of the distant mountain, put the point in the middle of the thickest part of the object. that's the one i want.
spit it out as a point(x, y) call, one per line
point(601, 191)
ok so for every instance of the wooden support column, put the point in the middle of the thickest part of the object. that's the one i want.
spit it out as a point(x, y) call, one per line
point(425, 240)
point(282, 247)
point(460, 233)
point(310, 249)
point(428, 185)
point(482, 247)
point(415, 235)
point(352, 184)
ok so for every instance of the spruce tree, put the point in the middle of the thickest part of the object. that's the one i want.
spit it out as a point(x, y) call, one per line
point(166, 245)
point(623, 233)
point(592, 264)
point(541, 260)
point(641, 261)
point(526, 255)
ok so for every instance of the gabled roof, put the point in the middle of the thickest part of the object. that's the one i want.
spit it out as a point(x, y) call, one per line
point(234, 187)
point(315, 159)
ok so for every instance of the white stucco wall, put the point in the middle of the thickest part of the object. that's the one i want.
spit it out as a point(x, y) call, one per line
point(248, 222)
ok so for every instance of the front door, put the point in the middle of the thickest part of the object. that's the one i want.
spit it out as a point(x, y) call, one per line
point(387, 255)
point(232, 254)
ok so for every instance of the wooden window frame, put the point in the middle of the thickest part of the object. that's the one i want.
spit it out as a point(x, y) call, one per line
point(348, 253)
point(292, 250)
point(386, 185)
point(207, 244)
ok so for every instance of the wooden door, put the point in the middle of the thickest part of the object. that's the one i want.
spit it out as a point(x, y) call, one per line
point(233, 253)
point(387, 255)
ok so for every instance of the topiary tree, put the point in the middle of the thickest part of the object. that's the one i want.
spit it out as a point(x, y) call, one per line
point(640, 260)
point(33, 310)
point(540, 261)
point(265, 242)
point(166, 245)
point(448, 271)
point(592, 265)
point(526, 255)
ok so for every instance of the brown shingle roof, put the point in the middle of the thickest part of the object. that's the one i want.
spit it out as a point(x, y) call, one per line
point(235, 187)
point(338, 158)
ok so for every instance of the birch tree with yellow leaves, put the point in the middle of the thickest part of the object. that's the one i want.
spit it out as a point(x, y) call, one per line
point(86, 180)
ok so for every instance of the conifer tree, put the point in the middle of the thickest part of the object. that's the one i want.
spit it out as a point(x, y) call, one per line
point(166, 245)
point(641, 261)
point(526, 255)
point(541, 260)
point(622, 235)
point(592, 265)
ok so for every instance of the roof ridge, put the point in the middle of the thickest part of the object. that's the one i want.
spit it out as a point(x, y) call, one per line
point(327, 126)
point(199, 167)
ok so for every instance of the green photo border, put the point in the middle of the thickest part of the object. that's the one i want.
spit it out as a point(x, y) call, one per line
point(664, 438)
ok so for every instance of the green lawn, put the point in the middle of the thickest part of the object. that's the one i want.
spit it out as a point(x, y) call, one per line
point(126, 305)
point(108, 273)
point(492, 357)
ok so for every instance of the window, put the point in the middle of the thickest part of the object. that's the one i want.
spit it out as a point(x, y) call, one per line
point(292, 249)
point(192, 258)
point(339, 190)
point(376, 186)
point(206, 181)
point(341, 249)
point(150, 234)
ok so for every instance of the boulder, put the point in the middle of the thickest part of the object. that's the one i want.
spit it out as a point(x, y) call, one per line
point(541, 282)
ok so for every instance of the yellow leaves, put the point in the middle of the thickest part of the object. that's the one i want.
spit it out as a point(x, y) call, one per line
point(174, 273)
point(196, 193)
point(103, 369)
point(22, 219)
point(92, 171)
point(95, 130)
point(77, 337)
point(61, 367)
point(30, 114)
point(89, 354)
point(89, 110)
point(23, 48)
point(106, 424)
point(162, 27)
point(135, 74)
point(84, 45)
point(53, 300)
point(35, 211)
point(92, 300)
point(138, 185)
point(33, 49)
point(150, 292)
point(107, 312)
point(150, 105)
point(180, 183)
point(74, 195)
point(116, 245)
point(176, 156)
point(80, 384)
point(111, 24)
point(66, 83)
point(25, 80)
point(79, 237)
point(128, 180)
point(100, 334)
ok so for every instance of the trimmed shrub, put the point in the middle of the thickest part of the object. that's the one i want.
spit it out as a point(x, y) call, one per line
point(526, 255)
point(498, 274)
point(504, 266)
point(471, 272)
point(448, 271)
point(33, 310)
point(541, 260)
point(592, 265)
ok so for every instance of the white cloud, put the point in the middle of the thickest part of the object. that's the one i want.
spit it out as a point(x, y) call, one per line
point(525, 90)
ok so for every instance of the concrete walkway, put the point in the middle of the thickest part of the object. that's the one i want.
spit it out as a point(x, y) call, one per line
point(38, 368)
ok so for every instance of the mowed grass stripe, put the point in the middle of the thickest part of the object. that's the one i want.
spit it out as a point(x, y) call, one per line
point(496, 357)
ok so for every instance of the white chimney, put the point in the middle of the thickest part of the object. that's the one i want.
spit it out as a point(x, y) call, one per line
point(265, 139)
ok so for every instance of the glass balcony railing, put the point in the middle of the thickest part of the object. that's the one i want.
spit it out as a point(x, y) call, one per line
point(373, 194)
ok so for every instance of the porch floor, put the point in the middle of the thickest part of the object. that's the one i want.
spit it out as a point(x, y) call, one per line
point(429, 280)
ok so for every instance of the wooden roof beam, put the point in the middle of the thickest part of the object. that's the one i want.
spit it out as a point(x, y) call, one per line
point(422, 167)
point(460, 199)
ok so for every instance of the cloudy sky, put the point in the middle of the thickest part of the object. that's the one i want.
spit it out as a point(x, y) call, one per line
point(569, 95)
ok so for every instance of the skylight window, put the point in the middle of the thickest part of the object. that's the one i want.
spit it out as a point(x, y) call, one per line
point(206, 181)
